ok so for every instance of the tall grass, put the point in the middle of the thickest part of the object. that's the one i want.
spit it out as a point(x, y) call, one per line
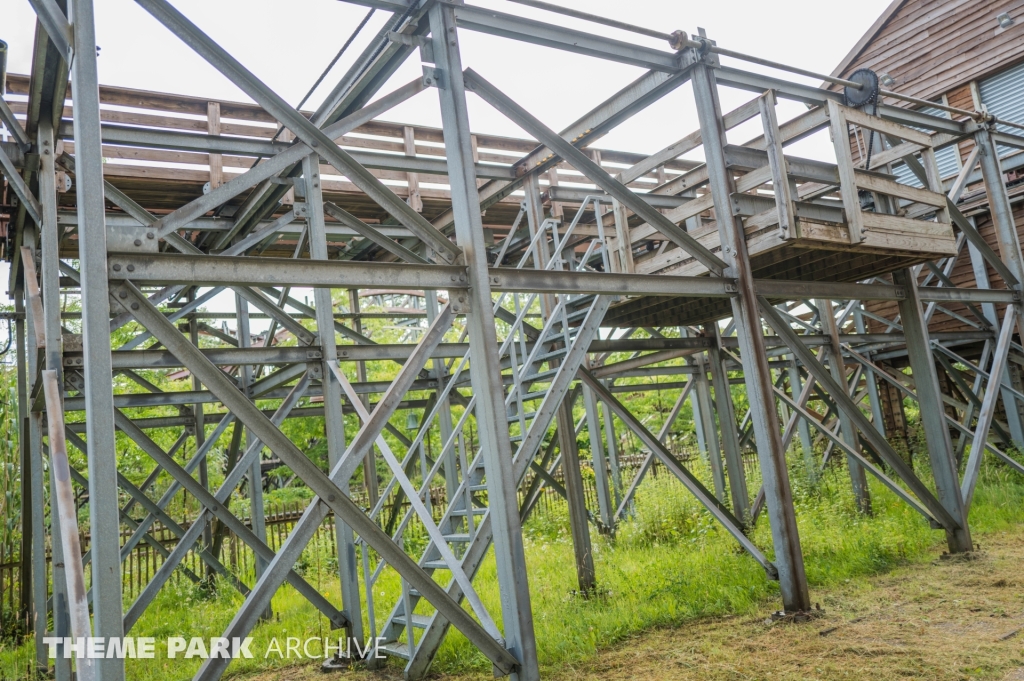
point(667, 565)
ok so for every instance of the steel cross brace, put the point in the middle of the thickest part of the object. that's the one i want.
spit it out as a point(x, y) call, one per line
point(845, 403)
point(216, 507)
point(855, 452)
point(138, 496)
point(592, 170)
point(234, 477)
point(313, 138)
point(988, 407)
point(627, 498)
point(717, 509)
point(330, 497)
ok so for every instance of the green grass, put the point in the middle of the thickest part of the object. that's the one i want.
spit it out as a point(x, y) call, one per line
point(669, 564)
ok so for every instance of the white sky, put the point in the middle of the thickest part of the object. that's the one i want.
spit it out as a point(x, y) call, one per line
point(287, 45)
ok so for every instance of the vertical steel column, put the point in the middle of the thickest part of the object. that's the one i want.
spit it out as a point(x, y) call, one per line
point(334, 420)
point(535, 223)
point(698, 361)
point(704, 420)
point(50, 274)
point(370, 481)
point(612, 443)
point(803, 428)
point(1013, 417)
point(583, 551)
point(255, 476)
point(444, 410)
point(33, 523)
point(199, 425)
point(757, 375)
point(600, 462)
point(1002, 214)
point(933, 413)
point(105, 521)
point(869, 376)
point(727, 424)
point(485, 367)
point(847, 433)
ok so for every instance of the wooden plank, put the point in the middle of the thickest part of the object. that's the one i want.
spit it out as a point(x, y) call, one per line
point(796, 128)
point(844, 162)
point(215, 160)
point(778, 166)
point(877, 124)
point(412, 179)
point(895, 223)
point(874, 183)
point(887, 156)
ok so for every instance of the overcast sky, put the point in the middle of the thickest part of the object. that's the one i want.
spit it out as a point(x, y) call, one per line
point(288, 44)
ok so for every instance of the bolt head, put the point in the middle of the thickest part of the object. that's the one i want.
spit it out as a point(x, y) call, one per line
point(138, 242)
point(122, 295)
point(331, 497)
point(117, 268)
point(135, 306)
point(150, 235)
point(131, 268)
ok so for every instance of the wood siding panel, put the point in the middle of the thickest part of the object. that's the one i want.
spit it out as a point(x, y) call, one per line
point(932, 48)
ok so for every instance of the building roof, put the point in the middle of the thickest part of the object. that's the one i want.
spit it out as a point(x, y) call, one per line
point(866, 39)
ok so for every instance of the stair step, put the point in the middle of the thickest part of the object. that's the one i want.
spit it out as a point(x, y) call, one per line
point(418, 621)
point(560, 352)
point(533, 378)
point(436, 565)
point(478, 488)
point(526, 417)
point(462, 511)
point(395, 649)
point(458, 538)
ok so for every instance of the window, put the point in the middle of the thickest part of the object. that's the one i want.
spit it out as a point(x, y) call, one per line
point(946, 158)
point(1003, 96)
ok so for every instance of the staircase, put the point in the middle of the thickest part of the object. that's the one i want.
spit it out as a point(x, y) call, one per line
point(541, 371)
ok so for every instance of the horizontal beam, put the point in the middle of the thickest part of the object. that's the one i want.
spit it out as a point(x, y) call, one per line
point(162, 359)
point(815, 96)
point(525, 30)
point(249, 271)
point(211, 270)
point(832, 290)
point(573, 194)
point(241, 146)
point(293, 229)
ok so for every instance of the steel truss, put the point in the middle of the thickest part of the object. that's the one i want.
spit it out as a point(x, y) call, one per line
point(538, 317)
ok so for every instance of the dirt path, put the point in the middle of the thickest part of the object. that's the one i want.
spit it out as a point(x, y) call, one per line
point(942, 620)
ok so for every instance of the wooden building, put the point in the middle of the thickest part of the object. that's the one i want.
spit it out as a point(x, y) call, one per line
point(967, 54)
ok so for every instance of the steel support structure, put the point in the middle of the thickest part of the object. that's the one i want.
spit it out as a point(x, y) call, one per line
point(650, 270)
